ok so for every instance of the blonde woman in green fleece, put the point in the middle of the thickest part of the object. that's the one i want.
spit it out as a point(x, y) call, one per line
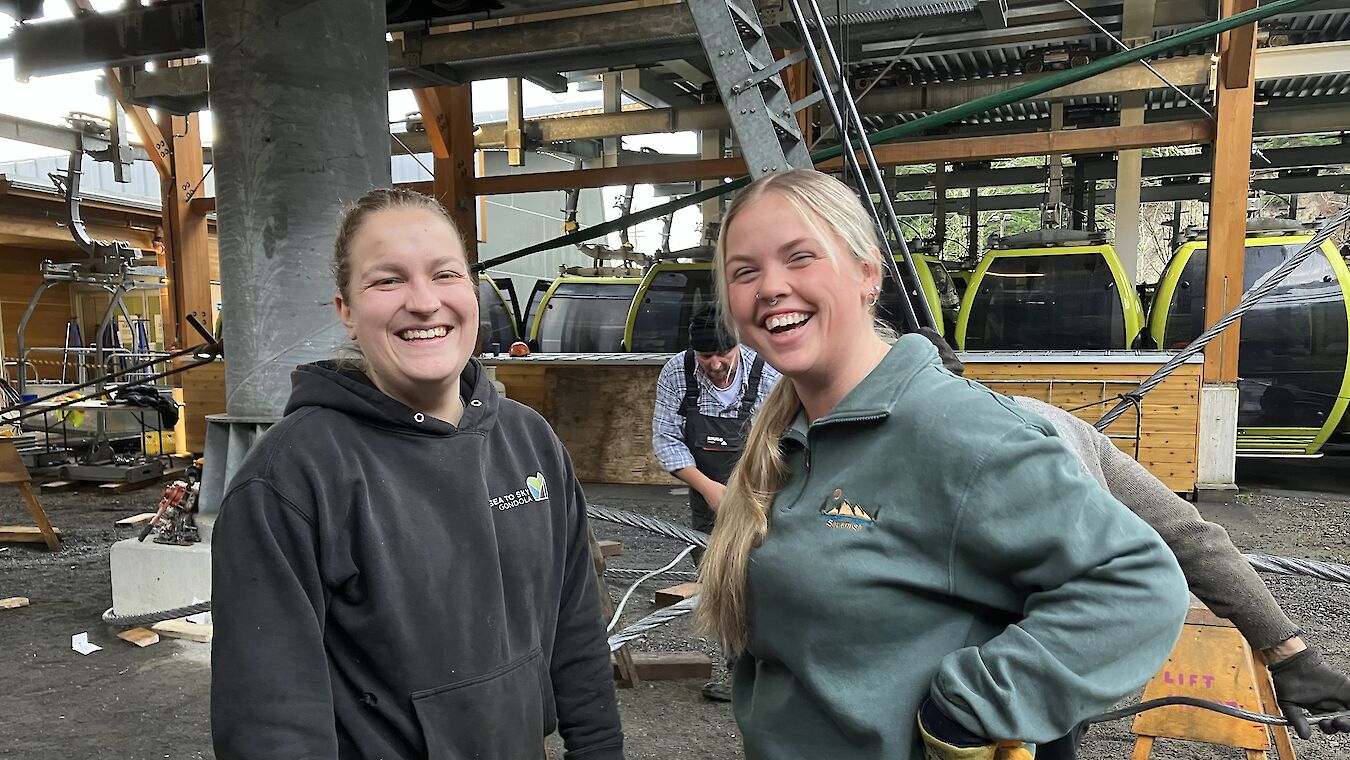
point(897, 541)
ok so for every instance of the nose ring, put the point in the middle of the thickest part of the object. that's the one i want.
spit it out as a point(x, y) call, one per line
point(770, 301)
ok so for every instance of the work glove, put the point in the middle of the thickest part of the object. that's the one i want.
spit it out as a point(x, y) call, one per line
point(1304, 682)
point(956, 743)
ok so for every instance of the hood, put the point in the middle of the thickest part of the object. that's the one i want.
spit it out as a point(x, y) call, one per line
point(343, 387)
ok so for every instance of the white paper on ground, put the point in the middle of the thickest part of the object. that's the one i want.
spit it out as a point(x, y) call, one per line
point(80, 643)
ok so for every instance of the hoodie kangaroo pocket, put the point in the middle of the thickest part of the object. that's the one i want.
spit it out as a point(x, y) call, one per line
point(499, 715)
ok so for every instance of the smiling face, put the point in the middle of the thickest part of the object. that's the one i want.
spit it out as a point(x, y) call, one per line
point(795, 292)
point(411, 306)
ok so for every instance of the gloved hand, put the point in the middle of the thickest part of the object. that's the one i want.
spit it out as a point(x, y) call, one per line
point(1303, 682)
point(957, 743)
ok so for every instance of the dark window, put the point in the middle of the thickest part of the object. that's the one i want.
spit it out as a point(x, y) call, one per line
point(586, 317)
point(1291, 358)
point(1056, 302)
point(661, 320)
point(495, 324)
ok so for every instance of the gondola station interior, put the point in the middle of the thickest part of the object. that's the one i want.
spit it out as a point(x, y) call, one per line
point(1134, 210)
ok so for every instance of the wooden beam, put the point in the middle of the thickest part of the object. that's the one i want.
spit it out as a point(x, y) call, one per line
point(155, 145)
point(185, 252)
point(1103, 139)
point(674, 171)
point(669, 666)
point(1229, 187)
point(1237, 68)
point(447, 114)
point(1097, 140)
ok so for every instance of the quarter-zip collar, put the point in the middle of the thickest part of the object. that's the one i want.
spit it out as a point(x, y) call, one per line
point(878, 395)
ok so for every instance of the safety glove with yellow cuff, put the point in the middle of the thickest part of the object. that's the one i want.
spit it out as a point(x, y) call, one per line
point(945, 739)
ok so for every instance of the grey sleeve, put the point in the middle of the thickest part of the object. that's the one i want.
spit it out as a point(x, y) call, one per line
point(1215, 570)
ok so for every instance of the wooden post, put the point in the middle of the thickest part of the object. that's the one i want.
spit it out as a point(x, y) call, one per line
point(13, 471)
point(186, 253)
point(447, 115)
point(1229, 187)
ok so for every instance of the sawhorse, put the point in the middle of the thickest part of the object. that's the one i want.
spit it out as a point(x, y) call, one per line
point(1212, 661)
point(623, 656)
point(13, 471)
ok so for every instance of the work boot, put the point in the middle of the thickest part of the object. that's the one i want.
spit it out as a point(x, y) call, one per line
point(718, 691)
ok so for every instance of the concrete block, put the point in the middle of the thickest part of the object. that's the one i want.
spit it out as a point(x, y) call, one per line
point(1216, 470)
point(149, 577)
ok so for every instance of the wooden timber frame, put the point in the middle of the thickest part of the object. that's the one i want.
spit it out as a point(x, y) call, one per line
point(1229, 186)
point(13, 472)
point(952, 149)
point(608, 434)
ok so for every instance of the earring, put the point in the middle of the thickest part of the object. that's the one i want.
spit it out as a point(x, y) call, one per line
point(872, 297)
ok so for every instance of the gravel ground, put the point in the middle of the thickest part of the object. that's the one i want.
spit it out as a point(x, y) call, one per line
point(152, 703)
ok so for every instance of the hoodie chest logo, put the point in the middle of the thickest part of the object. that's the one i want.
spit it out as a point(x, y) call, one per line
point(838, 512)
point(535, 490)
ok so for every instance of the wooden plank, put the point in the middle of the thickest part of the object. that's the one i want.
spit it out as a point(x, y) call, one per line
point(675, 594)
point(610, 547)
point(122, 486)
point(13, 602)
point(669, 666)
point(23, 534)
point(180, 628)
point(143, 517)
point(141, 637)
point(57, 486)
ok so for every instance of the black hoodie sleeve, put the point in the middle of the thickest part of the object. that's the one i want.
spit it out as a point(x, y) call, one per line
point(583, 679)
point(270, 691)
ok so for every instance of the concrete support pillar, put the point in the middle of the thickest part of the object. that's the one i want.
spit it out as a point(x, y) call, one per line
point(1215, 472)
point(299, 94)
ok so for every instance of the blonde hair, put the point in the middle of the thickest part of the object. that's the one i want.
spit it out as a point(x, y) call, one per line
point(831, 210)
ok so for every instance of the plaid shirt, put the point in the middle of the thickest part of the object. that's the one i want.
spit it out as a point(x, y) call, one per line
point(668, 423)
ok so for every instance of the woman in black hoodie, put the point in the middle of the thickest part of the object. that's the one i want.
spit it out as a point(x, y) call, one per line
point(401, 566)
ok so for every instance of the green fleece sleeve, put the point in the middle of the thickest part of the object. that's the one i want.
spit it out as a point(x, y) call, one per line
point(1100, 598)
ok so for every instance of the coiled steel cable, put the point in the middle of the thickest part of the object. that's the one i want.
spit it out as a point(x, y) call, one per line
point(112, 618)
point(654, 620)
point(650, 524)
point(629, 574)
point(1308, 568)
